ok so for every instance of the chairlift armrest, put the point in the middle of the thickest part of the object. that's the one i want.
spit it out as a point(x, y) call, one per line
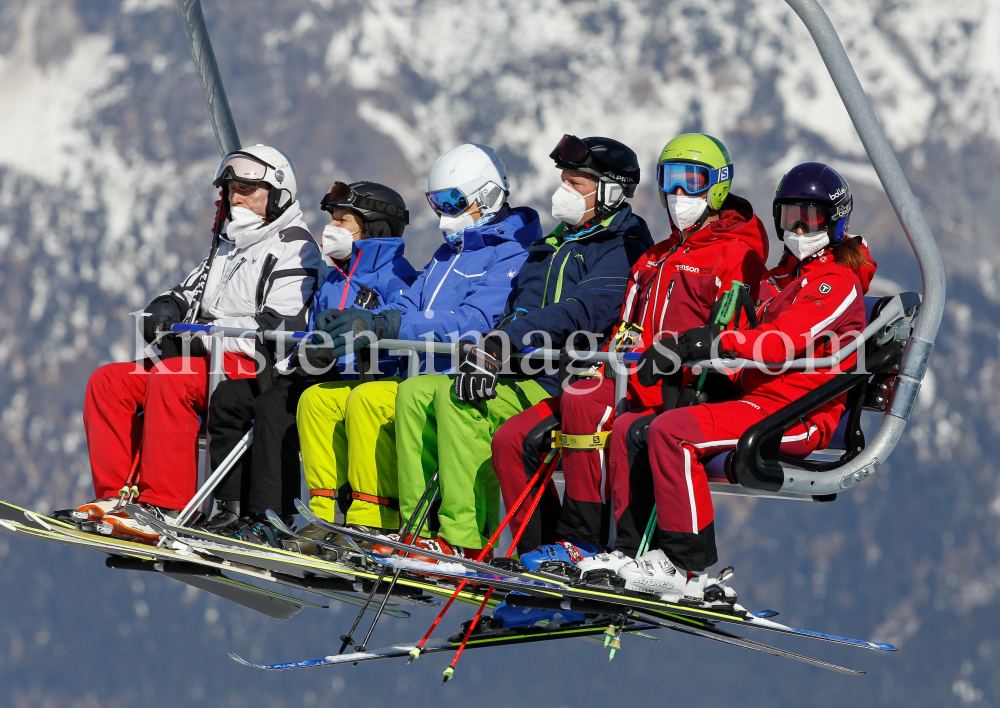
point(756, 460)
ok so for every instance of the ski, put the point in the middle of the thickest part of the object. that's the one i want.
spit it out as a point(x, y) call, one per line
point(312, 569)
point(142, 557)
point(494, 638)
point(549, 585)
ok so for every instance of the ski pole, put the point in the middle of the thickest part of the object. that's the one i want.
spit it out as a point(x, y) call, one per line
point(612, 635)
point(131, 488)
point(415, 652)
point(724, 316)
point(348, 638)
point(413, 539)
point(450, 671)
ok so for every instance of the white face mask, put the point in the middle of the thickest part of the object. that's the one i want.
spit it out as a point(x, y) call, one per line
point(569, 205)
point(337, 242)
point(807, 244)
point(685, 211)
point(453, 227)
point(242, 224)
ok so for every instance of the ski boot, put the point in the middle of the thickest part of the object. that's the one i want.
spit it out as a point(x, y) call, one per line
point(120, 525)
point(654, 573)
point(226, 512)
point(512, 617)
point(91, 511)
point(255, 528)
point(438, 545)
point(567, 551)
point(317, 535)
point(612, 562)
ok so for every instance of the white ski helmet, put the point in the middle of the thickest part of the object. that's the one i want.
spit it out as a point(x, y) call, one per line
point(469, 174)
point(260, 165)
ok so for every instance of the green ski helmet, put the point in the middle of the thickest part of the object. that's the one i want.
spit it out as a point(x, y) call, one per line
point(697, 163)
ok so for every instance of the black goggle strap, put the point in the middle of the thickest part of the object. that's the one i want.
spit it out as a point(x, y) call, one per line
point(358, 201)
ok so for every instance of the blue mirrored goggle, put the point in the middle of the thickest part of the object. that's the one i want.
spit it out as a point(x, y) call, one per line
point(448, 201)
point(691, 177)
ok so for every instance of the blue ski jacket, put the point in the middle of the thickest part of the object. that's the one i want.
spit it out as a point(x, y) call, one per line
point(574, 280)
point(463, 289)
point(376, 263)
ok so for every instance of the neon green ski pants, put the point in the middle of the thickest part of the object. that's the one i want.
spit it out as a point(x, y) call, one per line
point(347, 435)
point(435, 430)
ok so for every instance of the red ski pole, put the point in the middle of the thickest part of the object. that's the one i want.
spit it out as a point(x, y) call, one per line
point(549, 458)
point(450, 671)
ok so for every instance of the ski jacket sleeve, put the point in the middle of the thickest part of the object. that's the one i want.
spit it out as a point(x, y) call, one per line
point(283, 293)
point(592, 305)
point(829, 303)
point(748, 268)
point(484, 297)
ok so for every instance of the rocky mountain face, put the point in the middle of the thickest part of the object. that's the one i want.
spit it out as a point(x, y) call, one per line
point(106, 158)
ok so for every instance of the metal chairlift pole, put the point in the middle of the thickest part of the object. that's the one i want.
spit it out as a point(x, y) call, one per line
point(208, 73)
point(920, 344)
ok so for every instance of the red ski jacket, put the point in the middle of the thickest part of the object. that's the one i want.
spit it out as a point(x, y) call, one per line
point(814, 304)
point(673, 286)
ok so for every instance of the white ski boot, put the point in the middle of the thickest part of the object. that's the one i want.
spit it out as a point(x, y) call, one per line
point(91, 511)
point(612, 561)
point(653, 572)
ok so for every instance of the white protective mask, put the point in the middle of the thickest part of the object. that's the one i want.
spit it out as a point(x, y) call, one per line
point(807, 244)
point(685, 211)
point(569, 205)
point(337, 242)
point(453, 227)
point(242, 225)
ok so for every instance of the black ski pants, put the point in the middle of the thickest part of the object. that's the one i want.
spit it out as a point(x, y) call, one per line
point(269, 476)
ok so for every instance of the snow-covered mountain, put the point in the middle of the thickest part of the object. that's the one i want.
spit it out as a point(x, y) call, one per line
point(106, 155)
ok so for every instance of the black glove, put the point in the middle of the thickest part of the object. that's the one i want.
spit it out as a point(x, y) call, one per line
point(661, 359)
point(479, 370)
point(338, 323)
point(367, 298)
point(318, 360)
point(162, 313)
point(697, 343)
point(172, 346)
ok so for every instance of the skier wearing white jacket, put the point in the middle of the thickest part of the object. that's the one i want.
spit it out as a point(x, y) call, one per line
point(262, 277)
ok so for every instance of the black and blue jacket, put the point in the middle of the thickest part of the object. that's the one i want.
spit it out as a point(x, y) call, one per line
point(574, 280)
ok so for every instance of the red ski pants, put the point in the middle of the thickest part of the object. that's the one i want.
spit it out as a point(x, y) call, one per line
point(165, 435)
point(678, 441)
point(585, 408)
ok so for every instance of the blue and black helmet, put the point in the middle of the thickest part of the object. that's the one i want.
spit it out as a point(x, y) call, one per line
point(816, 197)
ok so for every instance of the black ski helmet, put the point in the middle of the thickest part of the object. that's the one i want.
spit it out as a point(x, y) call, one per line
point(814, 183)
point(381, 209)
point(615, 165)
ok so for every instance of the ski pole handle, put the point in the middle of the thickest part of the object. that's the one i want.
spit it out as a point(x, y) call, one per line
point(730, 301)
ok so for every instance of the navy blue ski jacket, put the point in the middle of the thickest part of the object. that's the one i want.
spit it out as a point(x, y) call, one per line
point(575, 280)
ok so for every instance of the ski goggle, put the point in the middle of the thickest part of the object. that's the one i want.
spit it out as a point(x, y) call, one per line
point(691, 177)
point(343, 196)
point(241, 168)
point(572, 151)
point(809, 215)
point(448, 202)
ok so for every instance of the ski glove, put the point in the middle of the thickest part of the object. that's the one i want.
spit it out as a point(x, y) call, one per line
point(661, 359)
point(479, 370)
point(697, 343)
point(339, 323)
point(161, 314)
point(367, 298)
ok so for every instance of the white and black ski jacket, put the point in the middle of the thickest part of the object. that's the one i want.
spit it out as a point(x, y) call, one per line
point(267, 283)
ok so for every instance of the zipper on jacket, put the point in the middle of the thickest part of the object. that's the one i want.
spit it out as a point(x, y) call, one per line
point(347, 283)
point(225, 283)
point(438, 288)
point(265, 273)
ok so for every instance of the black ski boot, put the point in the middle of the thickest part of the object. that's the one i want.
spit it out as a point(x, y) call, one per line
point(255, 528)
point(227, 512)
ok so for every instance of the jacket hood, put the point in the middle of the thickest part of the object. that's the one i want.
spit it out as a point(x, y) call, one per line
point(520, 224)
point(736, 220)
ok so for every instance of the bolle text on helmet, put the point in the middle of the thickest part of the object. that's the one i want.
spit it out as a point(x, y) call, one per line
point(838, 194)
